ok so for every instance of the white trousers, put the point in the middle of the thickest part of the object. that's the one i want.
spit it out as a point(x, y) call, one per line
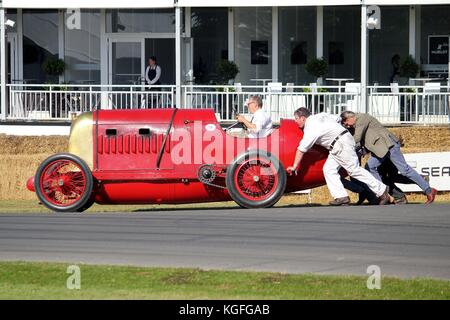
point(344, 155)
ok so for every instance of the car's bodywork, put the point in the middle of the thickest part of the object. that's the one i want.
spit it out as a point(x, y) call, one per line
point(172, 156)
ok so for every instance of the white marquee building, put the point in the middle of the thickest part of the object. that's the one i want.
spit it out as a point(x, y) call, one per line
point(105, 45)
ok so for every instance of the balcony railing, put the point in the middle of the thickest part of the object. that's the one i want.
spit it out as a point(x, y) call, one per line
point(281, 102)
point(410, 104)
point(391, 105)
point(62, 102)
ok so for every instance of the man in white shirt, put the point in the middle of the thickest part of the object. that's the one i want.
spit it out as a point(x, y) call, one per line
point(323, 129)
point(260, 125)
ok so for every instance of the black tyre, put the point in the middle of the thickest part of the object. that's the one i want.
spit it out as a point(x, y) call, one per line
point(256, 179)
point(64, 183)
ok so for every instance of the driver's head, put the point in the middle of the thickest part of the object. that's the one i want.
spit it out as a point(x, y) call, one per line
point(348, 119)
point(254, 103)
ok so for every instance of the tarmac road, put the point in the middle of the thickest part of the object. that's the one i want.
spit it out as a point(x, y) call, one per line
point(405, 241)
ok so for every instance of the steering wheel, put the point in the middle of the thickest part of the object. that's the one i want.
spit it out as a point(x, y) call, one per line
point(231, 126)
point(235, 124)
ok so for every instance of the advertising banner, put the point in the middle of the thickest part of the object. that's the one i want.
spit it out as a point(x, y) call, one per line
point(435, 165)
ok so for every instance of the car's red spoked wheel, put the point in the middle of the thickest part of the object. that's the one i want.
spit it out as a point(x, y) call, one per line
point(64, 183)
point(256, 179)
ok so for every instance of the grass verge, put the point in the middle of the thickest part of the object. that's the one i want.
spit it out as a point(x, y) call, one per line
point(24, 280)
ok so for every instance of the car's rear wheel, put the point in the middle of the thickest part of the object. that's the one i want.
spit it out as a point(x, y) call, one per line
point(256, 179)
point(64, 183)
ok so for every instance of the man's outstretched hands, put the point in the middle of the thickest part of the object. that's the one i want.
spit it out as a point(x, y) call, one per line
point(291, 170)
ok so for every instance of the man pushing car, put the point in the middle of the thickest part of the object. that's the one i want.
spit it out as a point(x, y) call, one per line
point(383, 145)
point(324, 129)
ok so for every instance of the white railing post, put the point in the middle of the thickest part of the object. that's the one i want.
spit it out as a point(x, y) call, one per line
point(227, 103)
point(364, 54)
point(131, 99)
point(51, 97)
point(11, 107)
point(178, 55)
point(90, 99)
point(184, 95)
point(2, 64)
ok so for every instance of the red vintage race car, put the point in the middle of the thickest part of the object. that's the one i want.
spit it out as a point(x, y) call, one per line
point(171, 156)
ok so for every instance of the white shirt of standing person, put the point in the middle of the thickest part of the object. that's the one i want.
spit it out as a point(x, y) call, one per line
point(158, 74)
point(263, 125)
point(321, 129)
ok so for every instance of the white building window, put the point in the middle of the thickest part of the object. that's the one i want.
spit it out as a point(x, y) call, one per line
point(387, 43)
point(435, 22)
point(297, 43)
point(82, 49)
point(253, 43)
point(342, 41)
point(40, 42)
point(138, 21)
point(210, 33)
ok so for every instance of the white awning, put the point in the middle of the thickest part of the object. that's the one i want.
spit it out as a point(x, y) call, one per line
point(404, 2)
point(108, 4)
point(265, 3)
point(87, 4)
point(298, 3)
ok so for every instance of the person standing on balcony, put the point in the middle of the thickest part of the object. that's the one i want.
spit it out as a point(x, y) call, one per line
point(395, 61)
point(383, 145)
point(153, 72)
point(260, 125)
point(323, 129)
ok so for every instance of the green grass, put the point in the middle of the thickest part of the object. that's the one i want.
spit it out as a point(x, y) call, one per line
point(20, 280)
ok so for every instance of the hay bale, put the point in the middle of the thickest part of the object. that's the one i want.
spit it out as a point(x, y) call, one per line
point(15, 171)
point(33, 144)
point(20, 157)
point(423, 139)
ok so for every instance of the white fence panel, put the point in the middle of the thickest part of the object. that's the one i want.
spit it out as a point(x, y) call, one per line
point(405, 104)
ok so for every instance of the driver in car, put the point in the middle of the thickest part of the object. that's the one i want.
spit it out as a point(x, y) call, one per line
point(260, 125)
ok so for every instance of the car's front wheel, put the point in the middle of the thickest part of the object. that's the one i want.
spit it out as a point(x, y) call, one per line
point(256, 179)
point(64, 183)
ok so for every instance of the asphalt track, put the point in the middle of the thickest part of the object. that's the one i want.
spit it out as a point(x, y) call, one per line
point(403, 240)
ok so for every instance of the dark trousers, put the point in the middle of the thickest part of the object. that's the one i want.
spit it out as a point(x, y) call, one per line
point(397, 158)
point(389, 176)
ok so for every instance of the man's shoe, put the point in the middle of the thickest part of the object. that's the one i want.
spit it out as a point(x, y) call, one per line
point(431, 196)
point(344, 201)
point(385, 198)
point(401, 200)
